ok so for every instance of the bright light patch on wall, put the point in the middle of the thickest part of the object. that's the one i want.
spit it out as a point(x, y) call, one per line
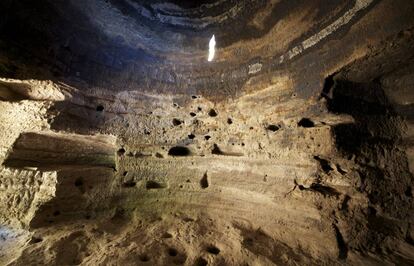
point(212, 49)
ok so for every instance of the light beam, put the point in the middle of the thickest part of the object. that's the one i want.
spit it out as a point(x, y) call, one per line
point(212, 49)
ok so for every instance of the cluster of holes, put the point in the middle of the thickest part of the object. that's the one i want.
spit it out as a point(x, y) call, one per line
point(184, 151)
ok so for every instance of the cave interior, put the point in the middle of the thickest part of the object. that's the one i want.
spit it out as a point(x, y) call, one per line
point(210, 132)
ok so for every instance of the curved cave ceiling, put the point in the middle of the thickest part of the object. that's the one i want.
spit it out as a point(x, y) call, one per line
point(122, 144)
point(152, 45)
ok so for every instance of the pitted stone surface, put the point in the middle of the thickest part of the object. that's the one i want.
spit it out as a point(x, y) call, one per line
point(120, 144)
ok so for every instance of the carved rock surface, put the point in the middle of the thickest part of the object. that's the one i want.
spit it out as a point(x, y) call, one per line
point(120, 144)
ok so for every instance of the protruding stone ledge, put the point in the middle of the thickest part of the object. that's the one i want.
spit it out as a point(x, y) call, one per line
point(38, 90)
point(52, 150)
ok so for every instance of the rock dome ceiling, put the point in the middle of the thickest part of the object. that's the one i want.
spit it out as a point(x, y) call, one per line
point(122, 144)
point(156, 44)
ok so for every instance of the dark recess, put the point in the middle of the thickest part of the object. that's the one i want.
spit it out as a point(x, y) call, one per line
point(151, 184)
point(172, 252)
point(129, 184)
point(78, 182)
point(213, 250)
point(179, 151)
point(121, 151)
point(216, 150)
point(343, 249)
point(212, 113)
point(273, 128)
point(201, 262)
point(306, 122)
point(328, 85)
point(176, 122)
point(204, 181)
point(144, 258)
point(99, 108)
point(324, 164)
point(35, 240)
point(373, 138)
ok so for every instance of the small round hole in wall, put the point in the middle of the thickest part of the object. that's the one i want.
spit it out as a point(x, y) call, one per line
point(121, 151)
point(213, 250)
point(273, 128)
point(179, 151)
point(99, 108)
point(177, 122)
point(306, 123)
point(212, 113)
point(172, 252)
